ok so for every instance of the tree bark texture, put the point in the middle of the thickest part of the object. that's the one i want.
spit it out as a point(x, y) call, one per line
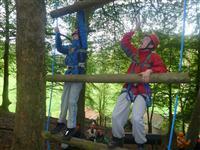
point(122, 78)
point(81, 110)
point(30, 49)
point(79, 5)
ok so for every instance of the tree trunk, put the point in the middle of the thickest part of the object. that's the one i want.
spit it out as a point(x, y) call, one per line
point(182, 113)
point(122, 78)
point(5, 101)
point(170, 108)
point(150, 114)
point(80, 5)
point(100, 101)
point(81, 101)
point(171, 118)
point(30, 52)
point(81, 110)
point(194, 126)
point(149, 122)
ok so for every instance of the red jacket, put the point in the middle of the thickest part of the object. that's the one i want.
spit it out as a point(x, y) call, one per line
point(141, 61)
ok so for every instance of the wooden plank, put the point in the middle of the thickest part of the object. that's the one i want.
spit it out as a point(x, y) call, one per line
point(76, 142)
point(121, 78)
point(153, 139)
point(79, 5)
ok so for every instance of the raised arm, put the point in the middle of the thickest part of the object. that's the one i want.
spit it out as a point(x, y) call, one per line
point(59, 46)
point(127, 46)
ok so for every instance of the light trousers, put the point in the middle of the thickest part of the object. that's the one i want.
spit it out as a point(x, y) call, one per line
point(121, 113)
point(69, 101)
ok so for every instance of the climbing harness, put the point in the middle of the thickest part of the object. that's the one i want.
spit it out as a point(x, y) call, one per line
point(136, 61)
point(82, 55)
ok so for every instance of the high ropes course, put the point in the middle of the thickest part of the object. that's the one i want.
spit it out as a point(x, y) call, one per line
point(168, 78)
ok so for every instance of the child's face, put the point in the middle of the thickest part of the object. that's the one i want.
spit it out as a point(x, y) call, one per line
point(146, 40)
point(75, 37)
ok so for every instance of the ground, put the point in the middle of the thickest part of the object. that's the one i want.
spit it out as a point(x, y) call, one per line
point(6, 134)
point(6, 130)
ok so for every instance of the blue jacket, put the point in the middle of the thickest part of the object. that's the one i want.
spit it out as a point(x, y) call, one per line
point(72, 59)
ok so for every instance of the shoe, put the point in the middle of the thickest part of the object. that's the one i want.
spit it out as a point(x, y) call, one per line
point(59, 127)
point(69, 133)
point(64, 146)
point(116, 142)
point(140, 146)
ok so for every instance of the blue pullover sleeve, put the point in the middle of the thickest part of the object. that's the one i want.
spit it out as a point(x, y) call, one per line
point(59, 46)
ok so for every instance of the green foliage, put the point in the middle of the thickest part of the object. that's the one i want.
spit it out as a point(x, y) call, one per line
point(106, 57)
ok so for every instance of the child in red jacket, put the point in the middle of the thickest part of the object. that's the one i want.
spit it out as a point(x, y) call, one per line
point(144, 62)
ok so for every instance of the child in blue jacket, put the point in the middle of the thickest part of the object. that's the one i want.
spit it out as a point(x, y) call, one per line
point(75, 60)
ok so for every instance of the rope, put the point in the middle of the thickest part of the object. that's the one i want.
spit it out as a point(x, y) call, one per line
point(51, 97)
point(179, 69)
point(51, 91)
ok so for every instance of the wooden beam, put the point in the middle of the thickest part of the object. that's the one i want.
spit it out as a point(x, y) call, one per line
point(76, 142)
point(153, 139)
point(79, 5)
point(121, 78)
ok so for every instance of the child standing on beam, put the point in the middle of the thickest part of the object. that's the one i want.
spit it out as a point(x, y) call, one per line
point(144, 62)
point(75, 60)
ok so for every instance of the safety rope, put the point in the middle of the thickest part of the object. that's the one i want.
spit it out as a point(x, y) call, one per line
point(51, 88)
point(179, 69)
point(51, 96)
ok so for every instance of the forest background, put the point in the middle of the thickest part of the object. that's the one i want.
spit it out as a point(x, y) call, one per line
point(105, 56)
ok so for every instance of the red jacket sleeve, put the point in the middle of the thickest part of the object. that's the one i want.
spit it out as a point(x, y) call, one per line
point(126, 45)
point(158, 65)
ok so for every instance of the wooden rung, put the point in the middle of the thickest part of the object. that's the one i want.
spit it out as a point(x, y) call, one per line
point(152, 139)
point(79, 5)
point(76, 142)
point(170, 77)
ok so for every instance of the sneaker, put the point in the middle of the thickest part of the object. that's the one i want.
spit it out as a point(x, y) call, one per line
point(59, 127)
point(140, 146)
point(116, 142)
point(64, 146)
point(69, 133)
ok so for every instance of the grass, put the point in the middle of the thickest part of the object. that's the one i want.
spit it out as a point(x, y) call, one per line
point(12, 92)
point(56, 97)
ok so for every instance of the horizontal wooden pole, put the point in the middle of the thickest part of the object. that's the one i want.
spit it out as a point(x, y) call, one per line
point(121, 78)
point(79, 5)
point(76, 142)
point(151, 139)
